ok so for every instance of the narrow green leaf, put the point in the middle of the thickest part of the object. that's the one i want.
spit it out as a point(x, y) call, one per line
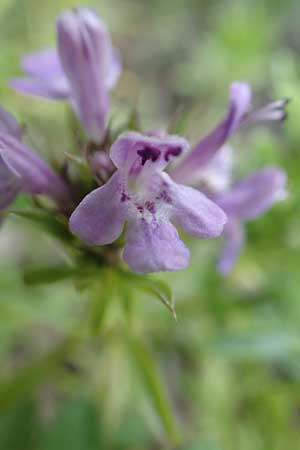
point(101, 296)
point(159, 288)
point(152, 381)
point(162, 291)
point(41, 275)
point(58, 227)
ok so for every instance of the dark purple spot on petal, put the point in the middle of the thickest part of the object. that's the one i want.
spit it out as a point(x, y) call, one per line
point(149, 153)
point(140, 208)
point(150, 206)
point(165, 197)
point(175, 151)
point(124, 197)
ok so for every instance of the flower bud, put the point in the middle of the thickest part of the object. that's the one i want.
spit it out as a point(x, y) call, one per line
point(86, 56)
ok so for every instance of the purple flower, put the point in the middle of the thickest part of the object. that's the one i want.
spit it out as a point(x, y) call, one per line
point(242, 201)
point(209, 166)
point(8, 124)
point(246, 200)
point(143, 195)
point(84, 70)
point(45, 76)
point(23, 170)
point(237, 115)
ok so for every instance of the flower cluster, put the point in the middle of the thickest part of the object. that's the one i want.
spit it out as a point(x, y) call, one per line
point(155, 181)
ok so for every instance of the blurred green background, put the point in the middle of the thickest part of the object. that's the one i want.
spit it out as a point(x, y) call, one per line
point(226, 376)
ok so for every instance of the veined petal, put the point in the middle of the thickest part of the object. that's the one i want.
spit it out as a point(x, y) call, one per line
point(8, 124)
point(100, 217)
point(154, 247)
point(53, 89)
point(195, 213)
point(10, 184)
point(204, 151)
point(234, 236)
point(255, 194)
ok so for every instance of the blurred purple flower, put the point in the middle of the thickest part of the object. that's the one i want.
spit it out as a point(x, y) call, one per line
point(45, 76)
point(246, 200)
point(8, 124)
point(237, 115)
point(209, 166)
point(143, 195)
point(23, 170)
point(85, 68)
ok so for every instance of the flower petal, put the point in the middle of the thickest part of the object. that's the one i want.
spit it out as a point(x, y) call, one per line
point(154, 247)
point(53, 89)
point(99, 218)
point(216, 175)
point(255, 194)
point(195, 213)
point(234, 239)
point(42, 64)
point(9, 185)
point(160, 151)
point(36, 176)
point(114, 69)
point(203, 152)
point(8, 124)
point(86, 53)
point(272, 112)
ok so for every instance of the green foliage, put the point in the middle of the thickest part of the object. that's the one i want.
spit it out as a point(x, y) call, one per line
point(17, 385)
point(75, 369)
point(155, 389)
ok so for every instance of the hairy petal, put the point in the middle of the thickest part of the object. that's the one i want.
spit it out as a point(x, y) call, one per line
point(234, 236)
point(100, 217)
point(195, 213)
point(255, 194)
point(8, 124)
point(154, 247)
point(205, 150)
